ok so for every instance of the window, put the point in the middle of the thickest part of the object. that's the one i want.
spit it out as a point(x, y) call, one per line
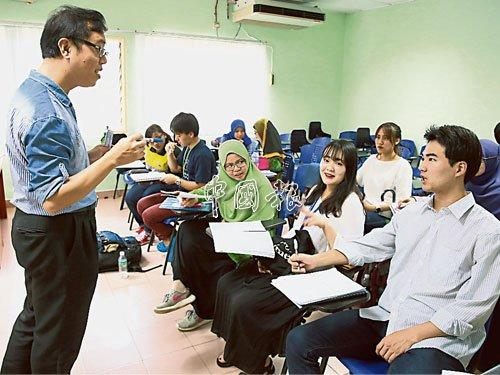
point(96, 107)
point(217, 81)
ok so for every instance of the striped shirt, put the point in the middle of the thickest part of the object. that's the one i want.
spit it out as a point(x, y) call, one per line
point(444, 269)
point(44, 145)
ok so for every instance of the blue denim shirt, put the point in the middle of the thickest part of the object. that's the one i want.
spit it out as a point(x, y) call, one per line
point(44, 145)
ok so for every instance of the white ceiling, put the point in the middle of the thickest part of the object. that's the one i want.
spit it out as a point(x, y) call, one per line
point(351, 5)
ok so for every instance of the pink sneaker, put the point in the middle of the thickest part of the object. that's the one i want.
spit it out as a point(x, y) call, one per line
point(174, 300)
point(142, 238)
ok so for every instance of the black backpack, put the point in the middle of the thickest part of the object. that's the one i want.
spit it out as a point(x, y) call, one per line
point(108, 261)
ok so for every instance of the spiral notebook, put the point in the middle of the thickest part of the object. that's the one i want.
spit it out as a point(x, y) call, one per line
point(149, 176)
point(307, 288)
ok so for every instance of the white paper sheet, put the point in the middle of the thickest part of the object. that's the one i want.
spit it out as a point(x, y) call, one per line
point(249, 237)
point(149, 176)
point(306, 288)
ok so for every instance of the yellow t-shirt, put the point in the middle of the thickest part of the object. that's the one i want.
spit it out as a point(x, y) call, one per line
point(156, 161)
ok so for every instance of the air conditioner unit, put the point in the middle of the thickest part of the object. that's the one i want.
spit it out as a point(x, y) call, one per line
point(279, 13)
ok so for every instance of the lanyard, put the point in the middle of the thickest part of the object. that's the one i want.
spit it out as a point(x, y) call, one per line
point(185, 163)
point(313, 208)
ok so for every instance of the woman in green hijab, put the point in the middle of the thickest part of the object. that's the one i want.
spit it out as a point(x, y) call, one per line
point(242, 193)
point(269, 139)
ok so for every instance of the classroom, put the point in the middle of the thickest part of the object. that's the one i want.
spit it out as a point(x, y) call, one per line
point(229, 147)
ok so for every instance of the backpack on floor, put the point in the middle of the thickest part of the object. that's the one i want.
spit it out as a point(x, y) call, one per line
point(109, 245)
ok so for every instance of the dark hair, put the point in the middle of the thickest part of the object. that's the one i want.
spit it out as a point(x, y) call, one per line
point(185, 123)
point(344, 150)
point(497, 133)
point(72, 23)
point(393, 132)
point(157, 129)
point(460, 144)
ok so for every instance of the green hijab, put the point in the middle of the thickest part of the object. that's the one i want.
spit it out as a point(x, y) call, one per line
point(234, 204)
point(271, 143)
point(255, 184)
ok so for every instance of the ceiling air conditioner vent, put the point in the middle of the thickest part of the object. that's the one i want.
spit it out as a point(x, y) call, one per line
point(277, 13)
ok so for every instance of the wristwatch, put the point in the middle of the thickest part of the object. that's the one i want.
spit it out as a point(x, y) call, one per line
point(178, 181)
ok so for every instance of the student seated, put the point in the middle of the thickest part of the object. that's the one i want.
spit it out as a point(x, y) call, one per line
point(237, 132)
point(497, 133)
point(443, 282)
point(485, 185)
point(156, 158)
point(269, 139)
point(197, 267)
point(382, 171)
point(250, 313)
point(195, 163)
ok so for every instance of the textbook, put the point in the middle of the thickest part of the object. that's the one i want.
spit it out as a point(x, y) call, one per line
point(247, 237)
point(171, 203)
point(307, 288)
point(149, 176)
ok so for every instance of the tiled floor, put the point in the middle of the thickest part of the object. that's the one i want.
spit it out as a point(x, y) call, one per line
point(124, 335)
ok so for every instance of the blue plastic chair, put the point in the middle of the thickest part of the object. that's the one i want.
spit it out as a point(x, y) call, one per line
point(306, 153)
point(410, 145)
point(306, 176)
point(288, 168)
point(350, 135)
point(285, 140)
point(319, 145)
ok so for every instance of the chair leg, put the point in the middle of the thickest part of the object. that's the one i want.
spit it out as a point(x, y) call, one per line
point(131, 223)
point(123, 197)
point(116, 185)
point(151, 240)
point(170, 248)
point(284, 369)
point(322, 366)
point(129, 216)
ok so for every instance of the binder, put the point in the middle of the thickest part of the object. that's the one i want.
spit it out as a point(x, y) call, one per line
point(173, 204)
point(322, 286)
point(146, 177)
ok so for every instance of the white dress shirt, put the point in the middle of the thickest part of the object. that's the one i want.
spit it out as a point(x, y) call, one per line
point(444, 269)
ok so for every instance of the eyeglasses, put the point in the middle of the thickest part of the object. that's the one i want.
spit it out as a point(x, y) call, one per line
point(101, 51)
point(230, 166)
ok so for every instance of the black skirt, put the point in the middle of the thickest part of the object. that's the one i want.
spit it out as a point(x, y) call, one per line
point(253, 317)
point(198, 266)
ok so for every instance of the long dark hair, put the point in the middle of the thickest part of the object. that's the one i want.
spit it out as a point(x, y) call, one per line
point(345, 151)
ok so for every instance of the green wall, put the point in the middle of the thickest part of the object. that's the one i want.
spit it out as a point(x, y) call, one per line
point(305, 61)
point(422, 63)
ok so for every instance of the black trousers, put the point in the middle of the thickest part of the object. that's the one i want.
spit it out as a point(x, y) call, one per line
point(59, 257)
point(346, 334)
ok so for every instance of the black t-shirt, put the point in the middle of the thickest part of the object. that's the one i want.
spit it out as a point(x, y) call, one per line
point(199, 164)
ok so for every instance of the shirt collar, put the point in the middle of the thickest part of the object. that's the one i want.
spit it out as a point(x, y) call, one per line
point(459, 208)
point(53, 87)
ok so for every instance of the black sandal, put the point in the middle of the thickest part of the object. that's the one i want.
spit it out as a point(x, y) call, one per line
point(222, 364)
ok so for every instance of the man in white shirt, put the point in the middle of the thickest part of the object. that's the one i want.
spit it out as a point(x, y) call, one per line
point(443, 283)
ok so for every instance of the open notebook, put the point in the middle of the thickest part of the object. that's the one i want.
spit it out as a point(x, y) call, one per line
point(307, 288)
point(149, 176)
point(173, 204)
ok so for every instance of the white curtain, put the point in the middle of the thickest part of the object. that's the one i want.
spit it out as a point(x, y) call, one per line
point(95, 107)
point(217, 81)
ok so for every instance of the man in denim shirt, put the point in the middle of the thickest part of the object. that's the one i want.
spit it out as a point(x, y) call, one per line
point(54, 229)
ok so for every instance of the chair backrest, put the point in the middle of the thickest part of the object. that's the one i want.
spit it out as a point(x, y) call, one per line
point(363, 139)
point(306, 153)
point(405, 152)
point(297, 140)
point(285, 139)
point(349, 135)
point(410, 145)
point(319, 145)
point(288, 168)
point(306, 176)
point(315, 130)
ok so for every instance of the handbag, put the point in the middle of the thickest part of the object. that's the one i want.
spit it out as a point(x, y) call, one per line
point(284, 248)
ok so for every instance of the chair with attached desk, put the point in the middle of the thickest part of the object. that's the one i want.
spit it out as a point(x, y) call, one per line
point(315, 131)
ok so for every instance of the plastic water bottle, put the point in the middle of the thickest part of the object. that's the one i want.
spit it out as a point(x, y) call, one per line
point(122, 265)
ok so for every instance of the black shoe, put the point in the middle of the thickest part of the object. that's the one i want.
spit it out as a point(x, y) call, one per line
point(222, 364)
